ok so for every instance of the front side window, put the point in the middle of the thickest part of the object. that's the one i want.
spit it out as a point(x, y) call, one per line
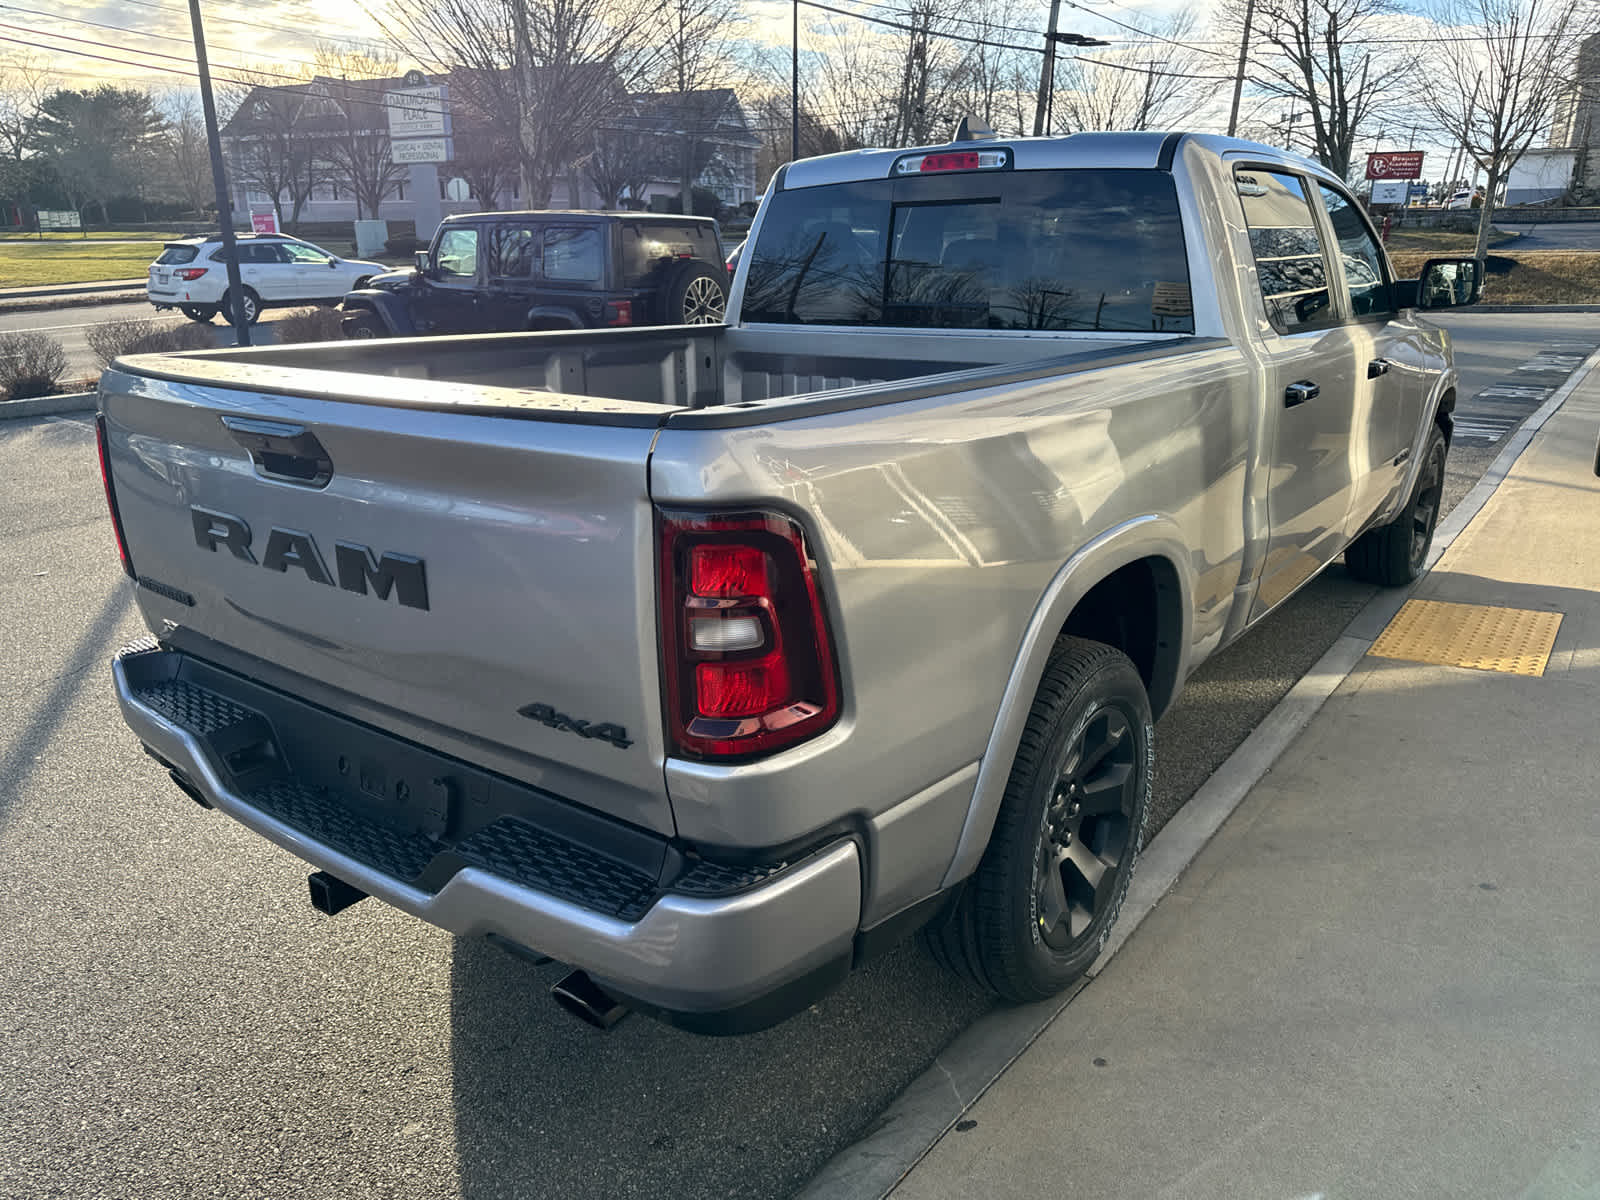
point(1016, 250)
point(572, 255)
point(1288, 252)
point(457, 256)
point(1370, 294)
point(300, 253)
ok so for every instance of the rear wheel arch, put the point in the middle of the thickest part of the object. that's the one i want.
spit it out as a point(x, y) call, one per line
point(1142, 562)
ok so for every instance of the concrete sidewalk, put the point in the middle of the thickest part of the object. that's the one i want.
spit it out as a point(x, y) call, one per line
point(1382, 977)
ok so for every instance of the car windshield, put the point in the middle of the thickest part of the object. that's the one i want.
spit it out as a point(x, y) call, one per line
point(176, 256)
point(1036, 250)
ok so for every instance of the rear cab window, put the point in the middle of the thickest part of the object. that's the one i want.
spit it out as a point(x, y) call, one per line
point(649, 249)
point(1059, 250)
point(176, 256)
point(1290, 263)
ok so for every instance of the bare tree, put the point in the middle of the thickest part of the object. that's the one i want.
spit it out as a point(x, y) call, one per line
point(551, 72)
point(355, 145)
point(183, 155)
point(269, 139)
point(25, 80)
point(1499, 80)
point(990, 76)
point(697, 54)
point(1327, 59)
point(1145, 82)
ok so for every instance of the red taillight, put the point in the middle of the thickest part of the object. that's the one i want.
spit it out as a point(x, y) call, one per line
point(190, 274)
point(111, 495)
point(748, 665)
point(619, 312)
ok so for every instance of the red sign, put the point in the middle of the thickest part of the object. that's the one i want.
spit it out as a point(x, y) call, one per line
point(264, 222)
point(1395, 164)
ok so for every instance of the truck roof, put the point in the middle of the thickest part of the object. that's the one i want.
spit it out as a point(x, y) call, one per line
point(1154, 150)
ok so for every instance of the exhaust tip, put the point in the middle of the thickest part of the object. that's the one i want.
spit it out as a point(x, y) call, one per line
point(588, 1001)
point(330, 894)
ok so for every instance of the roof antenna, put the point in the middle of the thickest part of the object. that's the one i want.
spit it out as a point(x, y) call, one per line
point(972, 129)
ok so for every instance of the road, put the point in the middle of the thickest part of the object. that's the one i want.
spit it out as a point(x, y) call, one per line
point(1556, 235)
point(180, 1023)
point(71, 326)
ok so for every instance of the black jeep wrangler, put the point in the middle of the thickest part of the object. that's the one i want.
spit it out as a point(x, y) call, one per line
point(510, 271)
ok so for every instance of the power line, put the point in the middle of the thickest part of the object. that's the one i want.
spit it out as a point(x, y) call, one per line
point(285, 29)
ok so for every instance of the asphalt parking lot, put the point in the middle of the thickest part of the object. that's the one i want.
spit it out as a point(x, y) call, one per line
point(179, 1022)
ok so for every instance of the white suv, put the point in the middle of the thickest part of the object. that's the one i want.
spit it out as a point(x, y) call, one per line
point(192, 275)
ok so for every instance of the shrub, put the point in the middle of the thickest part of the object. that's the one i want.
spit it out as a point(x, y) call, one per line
point(140, 335)
point(309, 325)
point(403, 245)
point(31, 363)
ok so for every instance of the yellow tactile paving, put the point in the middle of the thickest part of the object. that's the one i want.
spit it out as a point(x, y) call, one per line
point(1516, 641)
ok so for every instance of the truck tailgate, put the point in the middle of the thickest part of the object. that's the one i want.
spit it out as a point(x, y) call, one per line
point(480, 584)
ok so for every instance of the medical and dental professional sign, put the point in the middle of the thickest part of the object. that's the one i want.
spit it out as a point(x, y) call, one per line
point(1395, 164)
point(419, 123)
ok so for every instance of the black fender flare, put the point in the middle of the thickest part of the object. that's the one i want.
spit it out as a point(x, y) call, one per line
point(392, 310)
point(545, 314)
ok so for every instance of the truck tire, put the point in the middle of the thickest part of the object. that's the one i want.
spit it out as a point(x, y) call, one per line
point(696, 293)
point(252, 307)
point(363, 323)
point(1392, 555)
point(1041, 904)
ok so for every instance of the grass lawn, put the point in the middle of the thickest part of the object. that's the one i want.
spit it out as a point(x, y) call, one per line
point(25, 265)
point(1439, 242)
point(136, 235)
point(1527, 276)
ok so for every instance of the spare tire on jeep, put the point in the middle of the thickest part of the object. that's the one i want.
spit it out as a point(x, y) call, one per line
point(694, 293)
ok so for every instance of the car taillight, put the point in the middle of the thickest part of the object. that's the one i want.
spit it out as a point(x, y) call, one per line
point(189, 274)
point(111, 494)
point(747, 660)
point(619, 312)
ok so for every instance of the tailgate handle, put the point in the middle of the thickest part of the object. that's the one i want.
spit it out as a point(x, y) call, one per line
point(282, 451)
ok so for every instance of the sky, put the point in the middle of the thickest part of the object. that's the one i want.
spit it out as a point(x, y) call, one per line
point(147, 43)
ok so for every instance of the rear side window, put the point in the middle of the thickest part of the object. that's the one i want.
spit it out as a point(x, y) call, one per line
point(513, 252)
point(649, 249)
point(1021, 250)
point(176, 256)
point(572, 255)
point(1288, 253)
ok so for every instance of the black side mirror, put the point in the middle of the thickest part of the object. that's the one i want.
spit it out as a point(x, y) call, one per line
point(1448, 283)
point(420, 259)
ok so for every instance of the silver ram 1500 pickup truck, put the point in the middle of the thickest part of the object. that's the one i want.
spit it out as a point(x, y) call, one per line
point(710, 660)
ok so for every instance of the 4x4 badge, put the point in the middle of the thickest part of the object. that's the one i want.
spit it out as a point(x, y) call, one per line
point(545, 715)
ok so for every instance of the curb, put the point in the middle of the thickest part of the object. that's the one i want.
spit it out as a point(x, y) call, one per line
point(79, 300)
point(45, 406)
point(919, 1117)
point(72, 289)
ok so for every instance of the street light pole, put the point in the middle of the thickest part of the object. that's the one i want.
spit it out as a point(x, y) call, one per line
point(219, 178)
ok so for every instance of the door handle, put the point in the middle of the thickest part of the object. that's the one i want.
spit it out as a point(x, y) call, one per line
point(1299, 393)
point(1378, 366)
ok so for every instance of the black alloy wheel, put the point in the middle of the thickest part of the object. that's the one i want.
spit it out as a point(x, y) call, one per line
point(1084, 836)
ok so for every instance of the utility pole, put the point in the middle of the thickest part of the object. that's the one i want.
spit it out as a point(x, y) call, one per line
point(794, 87)
point(219, 178)
point(1244, 53)
point(1047, 74)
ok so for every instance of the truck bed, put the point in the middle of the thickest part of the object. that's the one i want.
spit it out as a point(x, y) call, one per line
point(628, 376)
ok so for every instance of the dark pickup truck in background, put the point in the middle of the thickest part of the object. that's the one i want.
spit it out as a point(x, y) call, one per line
point(511, 272)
